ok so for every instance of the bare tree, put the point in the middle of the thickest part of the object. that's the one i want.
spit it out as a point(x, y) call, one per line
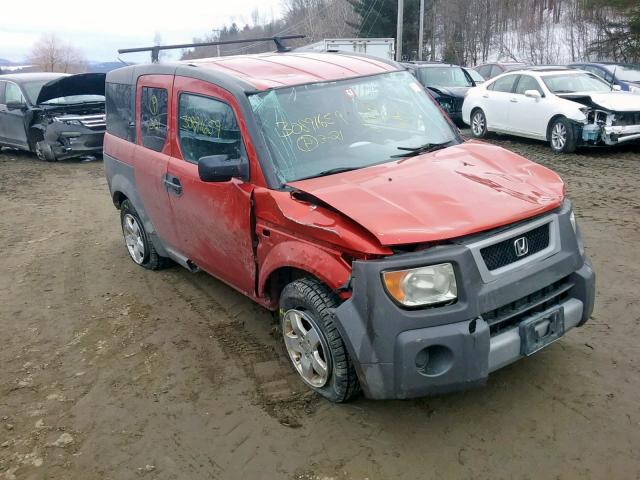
point(51, 54)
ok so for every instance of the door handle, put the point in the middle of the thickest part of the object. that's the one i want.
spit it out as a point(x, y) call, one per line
point(485, 96)
point(514, 100)
point(172, 183)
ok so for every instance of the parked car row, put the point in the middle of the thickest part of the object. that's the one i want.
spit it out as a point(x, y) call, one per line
point(566, 106)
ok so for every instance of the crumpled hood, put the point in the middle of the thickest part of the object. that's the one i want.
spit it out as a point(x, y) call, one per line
point(453, 192)
point(450, 91)
point(614, 101)
point(81, 84)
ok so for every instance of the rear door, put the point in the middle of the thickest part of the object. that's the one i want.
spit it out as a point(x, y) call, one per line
point(153, 151)
point(12, 122)
point(497, 100)
point(214, 220)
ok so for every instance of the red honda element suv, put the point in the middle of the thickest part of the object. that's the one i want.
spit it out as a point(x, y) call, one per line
point(401, 259)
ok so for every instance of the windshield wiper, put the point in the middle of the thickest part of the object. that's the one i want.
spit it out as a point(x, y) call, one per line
point(426, 148)
point(331, 171)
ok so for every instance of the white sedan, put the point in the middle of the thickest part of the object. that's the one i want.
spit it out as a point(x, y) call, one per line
point(565, 107)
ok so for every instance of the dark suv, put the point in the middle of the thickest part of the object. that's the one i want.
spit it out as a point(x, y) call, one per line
point(625, 75)
point(54, 115)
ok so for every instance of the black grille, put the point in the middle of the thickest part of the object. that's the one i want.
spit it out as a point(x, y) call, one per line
point(513, 313)
point(503, 253)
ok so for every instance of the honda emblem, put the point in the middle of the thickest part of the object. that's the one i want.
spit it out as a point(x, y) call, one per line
point(521, 246)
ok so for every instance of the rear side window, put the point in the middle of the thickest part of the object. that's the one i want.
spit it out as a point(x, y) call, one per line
point(503, 84)
point(207, 127)
point(485, 71)
point(496, 70)
point(119, 107)
point(154, 103)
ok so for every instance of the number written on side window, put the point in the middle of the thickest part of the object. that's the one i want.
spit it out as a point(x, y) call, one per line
point(207, 127)
point(153, 117)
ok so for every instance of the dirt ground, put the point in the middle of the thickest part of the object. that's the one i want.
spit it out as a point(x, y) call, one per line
point(109, 371)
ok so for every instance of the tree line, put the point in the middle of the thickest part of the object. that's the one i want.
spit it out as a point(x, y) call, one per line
point(459, 31)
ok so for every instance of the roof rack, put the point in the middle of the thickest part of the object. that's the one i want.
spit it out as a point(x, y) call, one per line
point(155, 50)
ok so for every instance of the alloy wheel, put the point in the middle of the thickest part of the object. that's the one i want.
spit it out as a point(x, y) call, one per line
point(478, 124)
point(306, 347)
point(558, 136)
point(133, 238)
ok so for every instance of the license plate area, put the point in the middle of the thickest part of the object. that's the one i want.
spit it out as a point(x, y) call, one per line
point(540, 330)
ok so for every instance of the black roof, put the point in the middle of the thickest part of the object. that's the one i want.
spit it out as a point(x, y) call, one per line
point(32, 77)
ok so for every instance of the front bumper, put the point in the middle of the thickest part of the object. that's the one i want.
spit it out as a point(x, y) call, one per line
point(387, 343)
point(618, 134)
point(73, 141)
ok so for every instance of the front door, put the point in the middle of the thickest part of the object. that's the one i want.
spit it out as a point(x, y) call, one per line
point(12, 122)
point(214, 220)
point(153, 151)
point(527, 115)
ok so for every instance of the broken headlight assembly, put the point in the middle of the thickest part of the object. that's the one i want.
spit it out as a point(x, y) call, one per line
point(445, 104)
point(422, 286)
point(69, 121)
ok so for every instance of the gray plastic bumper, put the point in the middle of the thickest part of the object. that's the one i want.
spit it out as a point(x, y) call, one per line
point(387, 343)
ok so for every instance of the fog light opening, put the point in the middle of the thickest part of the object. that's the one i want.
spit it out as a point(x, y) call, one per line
point(434, 360)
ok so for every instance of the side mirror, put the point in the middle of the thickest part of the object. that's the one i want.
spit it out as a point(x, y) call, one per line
point(616, 88)
point(535, 94)
point(220, 168)
point(16, 106)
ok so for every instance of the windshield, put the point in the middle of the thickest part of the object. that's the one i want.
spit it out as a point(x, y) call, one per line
point(443, 76)
point(313, 129)
point(32, 89)
point(626, 73)
point(575, 82)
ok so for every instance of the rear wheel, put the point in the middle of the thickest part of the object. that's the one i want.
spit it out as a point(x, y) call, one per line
point(139, 246)
point(562, 137)
point(313, 342)
point(478, 124)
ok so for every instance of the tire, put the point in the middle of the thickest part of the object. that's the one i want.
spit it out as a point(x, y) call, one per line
point(139, 246)
point(41, 148)
point(478, 125)
point(310, 304)
point(562, 136)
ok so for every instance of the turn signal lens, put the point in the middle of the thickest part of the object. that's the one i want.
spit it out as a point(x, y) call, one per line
point(422, 286)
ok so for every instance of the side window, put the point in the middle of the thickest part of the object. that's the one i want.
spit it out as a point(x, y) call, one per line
point(2, 84)
point(528, 83)
point(608, 76)
point(119, 107)
point(496, 70)
point(503, 84)
point(13, 93)
point(154, 103)
point(207, 127)
point(485, 71)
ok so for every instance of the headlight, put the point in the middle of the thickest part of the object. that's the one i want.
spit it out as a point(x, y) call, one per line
point(422, 286)
point(633, 89)
point(445, 104)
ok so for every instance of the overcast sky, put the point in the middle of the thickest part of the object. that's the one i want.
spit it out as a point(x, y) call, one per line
point(100, 27)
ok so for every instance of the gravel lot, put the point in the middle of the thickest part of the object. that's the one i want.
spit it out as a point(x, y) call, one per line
point(110, 371)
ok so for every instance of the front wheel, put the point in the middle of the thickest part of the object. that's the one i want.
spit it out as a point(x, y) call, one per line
point(562, 136)
point(44, 152)
point(313, 342)
point(478, 124)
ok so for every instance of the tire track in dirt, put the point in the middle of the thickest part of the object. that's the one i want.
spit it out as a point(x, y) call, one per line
point(277, 389)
